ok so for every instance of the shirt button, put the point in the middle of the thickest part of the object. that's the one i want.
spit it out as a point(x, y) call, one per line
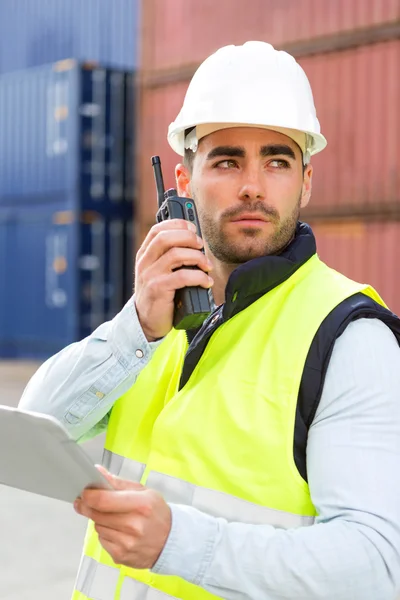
point(139, 353)
point(214, 319)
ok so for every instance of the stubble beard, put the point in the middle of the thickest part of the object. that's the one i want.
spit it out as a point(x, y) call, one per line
point(253, 243)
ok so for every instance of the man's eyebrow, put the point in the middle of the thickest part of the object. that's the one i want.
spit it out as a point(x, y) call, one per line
point(237, 151)
point(240, 152)
point(277, 150)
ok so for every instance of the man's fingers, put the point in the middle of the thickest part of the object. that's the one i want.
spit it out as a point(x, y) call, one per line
point(163, 226)
point(125, 541)
point(118, 483)
point(107, 533)
point(166, 240)
point(116, 501)
point(112, 521)
point(113, 549)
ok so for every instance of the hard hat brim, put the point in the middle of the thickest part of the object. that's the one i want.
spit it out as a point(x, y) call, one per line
point(176, 135)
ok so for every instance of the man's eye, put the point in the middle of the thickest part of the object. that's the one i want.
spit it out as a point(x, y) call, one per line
point(279, 163)
point(226, 164)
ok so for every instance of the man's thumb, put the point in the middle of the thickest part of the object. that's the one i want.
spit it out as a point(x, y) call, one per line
point(118, 483)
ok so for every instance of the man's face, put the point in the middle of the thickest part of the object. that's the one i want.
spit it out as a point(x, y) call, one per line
point(248, 185)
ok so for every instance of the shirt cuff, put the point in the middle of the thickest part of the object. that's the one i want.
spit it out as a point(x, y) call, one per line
point(190, 546)
point(127, 339)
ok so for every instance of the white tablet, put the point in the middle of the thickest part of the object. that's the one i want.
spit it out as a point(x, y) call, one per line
point(37, 455)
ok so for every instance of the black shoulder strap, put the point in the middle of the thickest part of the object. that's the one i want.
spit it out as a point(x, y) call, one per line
point(356, 307)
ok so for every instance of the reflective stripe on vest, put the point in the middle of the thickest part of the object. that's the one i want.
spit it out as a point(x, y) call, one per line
point(95, 580)
point(100, 582)
point(118, 465)
point(212, 502)
point(136, 590)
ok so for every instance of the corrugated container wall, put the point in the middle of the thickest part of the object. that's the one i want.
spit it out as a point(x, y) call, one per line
point(64, 274)
point(350, 50)
point(366, 252)
point(357, 95)
point(63, 125)
point(180, 33)
point(40, 125)
point(34, 32)
point(66, 203)
point(74, 267)
point(38, 268)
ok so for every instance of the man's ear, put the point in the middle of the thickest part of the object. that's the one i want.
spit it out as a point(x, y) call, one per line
point(307, 186)
point(182, 176)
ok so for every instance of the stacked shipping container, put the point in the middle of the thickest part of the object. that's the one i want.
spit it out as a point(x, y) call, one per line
point(66, 200)
point(66, 168)
point(350, 50)
point(365, 251)
point(36, 32)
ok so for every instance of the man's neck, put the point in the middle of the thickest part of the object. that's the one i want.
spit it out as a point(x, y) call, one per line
point(220, 274)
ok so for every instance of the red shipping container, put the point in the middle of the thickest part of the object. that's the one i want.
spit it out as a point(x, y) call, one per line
point(183, 32)
point(356, 90)
point(365, 252)
point(159, 108)
point(357, 95)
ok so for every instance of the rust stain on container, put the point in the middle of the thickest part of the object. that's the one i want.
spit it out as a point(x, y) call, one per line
point(64, 217)
point(64, 65)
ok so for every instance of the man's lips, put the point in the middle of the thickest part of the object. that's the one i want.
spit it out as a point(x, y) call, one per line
point(250, 217)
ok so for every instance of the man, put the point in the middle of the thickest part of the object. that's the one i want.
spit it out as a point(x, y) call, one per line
point(267, 442)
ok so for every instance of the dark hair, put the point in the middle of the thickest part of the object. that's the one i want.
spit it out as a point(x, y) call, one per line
point(188, 155)
point(188, 159)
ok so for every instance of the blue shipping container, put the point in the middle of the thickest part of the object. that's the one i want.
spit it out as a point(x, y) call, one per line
point(130, 138)
point(35, 32)
point(62, 126)
point(37, 310)
point(6, 274)
point(115, 127)
point(62, 273)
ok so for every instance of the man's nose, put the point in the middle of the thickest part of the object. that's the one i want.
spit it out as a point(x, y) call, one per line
point(253, 185)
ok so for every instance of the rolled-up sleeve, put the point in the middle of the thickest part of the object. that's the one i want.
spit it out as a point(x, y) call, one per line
point(352, 552)
point(79, 385)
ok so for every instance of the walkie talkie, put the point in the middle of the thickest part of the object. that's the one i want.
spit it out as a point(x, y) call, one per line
point(192, 304)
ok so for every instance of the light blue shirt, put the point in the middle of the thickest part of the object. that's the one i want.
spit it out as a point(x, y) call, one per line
point(353, 462)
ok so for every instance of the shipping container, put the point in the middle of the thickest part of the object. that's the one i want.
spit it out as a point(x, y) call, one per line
point(115, 136)
point(35, 32)
point(6, 272)
point(357, 95)
point(64, 272)
point(130, 140)
point(53, 131)
point(368, 252)
point(129, 259)
point(350, 50)
point(178, 34)
point(64, 185)
point(159, 108)
point(62, 126)
point(39, 259)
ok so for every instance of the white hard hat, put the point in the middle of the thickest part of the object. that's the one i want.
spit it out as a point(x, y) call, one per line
point(251, 85)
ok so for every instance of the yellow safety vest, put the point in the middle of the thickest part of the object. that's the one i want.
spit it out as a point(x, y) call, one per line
point(224, 442)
